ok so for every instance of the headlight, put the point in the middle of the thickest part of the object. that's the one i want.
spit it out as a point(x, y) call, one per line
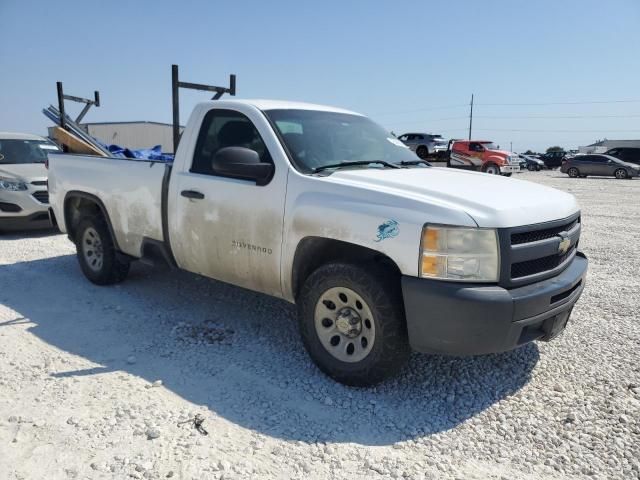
point(459, 253)
point(13, 185)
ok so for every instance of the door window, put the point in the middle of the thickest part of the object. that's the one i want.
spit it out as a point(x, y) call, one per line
point(225, 128)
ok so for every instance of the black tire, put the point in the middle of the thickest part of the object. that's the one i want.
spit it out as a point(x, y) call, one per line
point(507, 174)
point(381, 294)
point(531, 167)
point(491, 169)
point(112, 268)
point(422, 152)
point(573, 172)
point(621, 173)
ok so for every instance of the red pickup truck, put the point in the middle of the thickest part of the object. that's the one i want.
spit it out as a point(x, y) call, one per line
point(484, 156)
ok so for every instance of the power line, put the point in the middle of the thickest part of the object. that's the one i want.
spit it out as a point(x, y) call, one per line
point(554, 131)
point(593, 102)
point(556, 116)
point(445, 107)
point(491, 117)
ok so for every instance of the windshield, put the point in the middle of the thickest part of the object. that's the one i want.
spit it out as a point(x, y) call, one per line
point(315, 139)
point(25, 151)
point(490, 146)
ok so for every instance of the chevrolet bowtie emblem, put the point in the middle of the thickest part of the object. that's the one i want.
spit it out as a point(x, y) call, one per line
point(564, 245)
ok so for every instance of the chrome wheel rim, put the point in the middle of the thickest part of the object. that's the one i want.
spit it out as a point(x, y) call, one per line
point(573, 172)
point(92, 249)
point(492, 170)
point(344, 324)
point(621, 173)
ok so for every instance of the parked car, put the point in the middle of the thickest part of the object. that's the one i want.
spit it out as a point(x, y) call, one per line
point(599, 165)
point(530, 163)
point(484, 156)
point(626, 154)
point(322, 207)
point(425, 144)
point(553, 159)
point(24, 201)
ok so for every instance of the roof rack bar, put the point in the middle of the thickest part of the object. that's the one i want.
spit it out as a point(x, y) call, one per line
point(88, 104)
point(176, 84)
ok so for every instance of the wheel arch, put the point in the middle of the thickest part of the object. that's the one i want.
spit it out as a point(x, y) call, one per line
point(313, 252)
point(77, 205)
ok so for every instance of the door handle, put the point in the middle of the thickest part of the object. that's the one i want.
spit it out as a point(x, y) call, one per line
point(192, 194)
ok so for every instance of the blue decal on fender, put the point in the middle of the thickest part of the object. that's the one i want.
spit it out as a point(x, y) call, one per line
point(388, 229)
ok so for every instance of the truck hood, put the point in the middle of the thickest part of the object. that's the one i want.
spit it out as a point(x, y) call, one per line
point(502, 152)
point(491, 200)
point(24, 171)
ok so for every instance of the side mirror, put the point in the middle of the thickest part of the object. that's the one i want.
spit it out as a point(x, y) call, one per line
point(244, 163)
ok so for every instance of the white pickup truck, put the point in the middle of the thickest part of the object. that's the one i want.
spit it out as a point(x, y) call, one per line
point(320, 206)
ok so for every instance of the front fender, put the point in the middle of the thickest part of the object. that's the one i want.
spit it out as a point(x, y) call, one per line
point(384, 222)
point(498, 160)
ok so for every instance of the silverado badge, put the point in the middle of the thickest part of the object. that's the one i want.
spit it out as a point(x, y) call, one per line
point(564, 245)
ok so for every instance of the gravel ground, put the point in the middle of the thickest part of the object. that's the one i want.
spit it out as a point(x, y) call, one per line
point(95, 382)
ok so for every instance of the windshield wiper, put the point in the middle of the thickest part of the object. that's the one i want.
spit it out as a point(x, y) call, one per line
point(405, 163)
point(354, 164)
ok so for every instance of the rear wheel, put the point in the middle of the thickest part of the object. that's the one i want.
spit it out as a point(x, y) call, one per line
point(352, 323)
point(573, 172)
point(620, 173)
point(97, 255)
point(531, 167)
point(422, 152)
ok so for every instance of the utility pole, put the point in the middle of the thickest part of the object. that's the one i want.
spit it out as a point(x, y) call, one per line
point(471, 117)
point(511, 146)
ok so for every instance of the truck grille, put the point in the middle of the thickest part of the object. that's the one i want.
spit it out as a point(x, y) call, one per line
point(531, 267)
point(42, 196)
point(533, 253)
point(536, 235)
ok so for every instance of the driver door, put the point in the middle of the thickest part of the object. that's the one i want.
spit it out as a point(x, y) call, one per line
point(225, 228)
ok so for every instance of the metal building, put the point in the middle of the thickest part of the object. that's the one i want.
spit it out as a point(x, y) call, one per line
point(133, 134)
point(604, 145)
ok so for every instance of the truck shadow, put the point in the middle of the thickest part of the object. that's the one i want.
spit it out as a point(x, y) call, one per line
point(238, 352)
point(29, 233)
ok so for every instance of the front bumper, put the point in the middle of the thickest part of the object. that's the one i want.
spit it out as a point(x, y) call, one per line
point(509, 168)
point(472, 319)
point(439, 150)
point(22, 210)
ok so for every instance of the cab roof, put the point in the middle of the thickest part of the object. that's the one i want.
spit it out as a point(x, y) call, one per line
point(283, 105)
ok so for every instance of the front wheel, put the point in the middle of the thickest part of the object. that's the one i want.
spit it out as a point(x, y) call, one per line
point(97, 254)
point(531, 168)
point(422, 152)
point(352, 323)
point(492, 169)
point(621, 173)
point(573, 172)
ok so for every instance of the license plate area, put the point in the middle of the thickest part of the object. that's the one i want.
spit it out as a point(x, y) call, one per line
point(554, 326)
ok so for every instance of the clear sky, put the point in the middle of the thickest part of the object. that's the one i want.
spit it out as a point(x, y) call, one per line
point(411, 65)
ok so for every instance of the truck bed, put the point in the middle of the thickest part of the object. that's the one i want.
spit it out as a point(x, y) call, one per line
point(130, 190)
